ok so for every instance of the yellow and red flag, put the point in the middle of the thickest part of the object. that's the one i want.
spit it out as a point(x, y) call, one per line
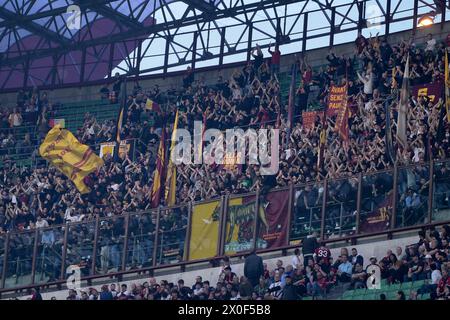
point(171, 179)
point(65, 152)
point(159, 171)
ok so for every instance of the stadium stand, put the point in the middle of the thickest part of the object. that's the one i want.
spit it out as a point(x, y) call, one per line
point(47, 225)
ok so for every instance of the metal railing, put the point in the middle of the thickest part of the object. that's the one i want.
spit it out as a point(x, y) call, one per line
point(340, 210)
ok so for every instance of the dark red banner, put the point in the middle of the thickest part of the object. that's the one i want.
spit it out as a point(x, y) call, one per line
point(431, 90)
point(309, 118)
point(379, 218)
point(272, 219)
point(337, 99)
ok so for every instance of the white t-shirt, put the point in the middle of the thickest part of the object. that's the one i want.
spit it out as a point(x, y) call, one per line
point(430, 45)
point(436, 277)
point(295, 261)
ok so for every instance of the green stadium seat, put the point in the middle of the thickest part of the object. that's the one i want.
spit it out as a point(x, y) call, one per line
point(347, 294)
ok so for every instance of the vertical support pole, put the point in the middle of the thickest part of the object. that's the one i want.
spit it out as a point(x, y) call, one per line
point(54, 69)
point(279, 32)
point(324, 204)
point(388, 19)
point(443, 13)
point(137, 67)
point(188, 232)
point(249, 41)
point(332, 26)
point(255, 217)
point(290, 207)
point(415, 13)
point(26, 72)
point(94, 250)
point(5, 260)
point(166, 56)
point(394, 200)
point(358, 203)
point(222, 225)
point(35, 249)
point(430, 192)
point(125, 242)
point(222, 46)
point(83, 65)
point(155, 247)
point(305, 32)
point(360, 16)
point(64, 253)
point(111, 58)
point(194, 50)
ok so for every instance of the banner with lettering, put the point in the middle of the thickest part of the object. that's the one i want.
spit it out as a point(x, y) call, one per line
point(309, 118)
point(379, 218)
point(204, 230)
point(432, 90)
point(337, 99)
point(271, 218)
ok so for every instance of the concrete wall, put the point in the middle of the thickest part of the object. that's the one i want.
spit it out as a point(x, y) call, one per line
point(376, 246)
point(315, 57)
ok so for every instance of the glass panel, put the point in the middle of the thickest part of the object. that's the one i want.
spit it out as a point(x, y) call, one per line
point(340, 210)
point(240, 225)
point(441, 191)
point(80, 246)
point(141, 238)
point(172, 235)
point(20, 258)
point(412, 195)
point(307, 211)
point(110, 244)
point(376, 202)
point(2, 254)
point(49, 254)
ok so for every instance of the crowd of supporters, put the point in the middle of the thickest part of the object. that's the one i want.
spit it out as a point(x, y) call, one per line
point(308, 274)
point(250, 98)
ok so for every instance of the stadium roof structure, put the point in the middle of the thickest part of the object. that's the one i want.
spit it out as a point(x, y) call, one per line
point(59, 42)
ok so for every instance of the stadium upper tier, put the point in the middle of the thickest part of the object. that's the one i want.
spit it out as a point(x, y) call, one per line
point(358, 179)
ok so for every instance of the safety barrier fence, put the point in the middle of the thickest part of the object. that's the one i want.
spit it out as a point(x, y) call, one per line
point(383, 202)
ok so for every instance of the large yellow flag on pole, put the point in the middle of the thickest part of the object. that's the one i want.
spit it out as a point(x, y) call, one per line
point(65, 152)
point(171, 179)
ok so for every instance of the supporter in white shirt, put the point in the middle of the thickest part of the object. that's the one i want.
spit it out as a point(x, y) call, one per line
point(275, 289)
point(431, 43)
point(296, 259)
point(41, 223)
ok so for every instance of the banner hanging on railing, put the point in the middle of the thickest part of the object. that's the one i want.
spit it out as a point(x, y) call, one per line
point(108, 148)
point(431, 90)
point(379, 219)
point(272, 222)
point(204, 230)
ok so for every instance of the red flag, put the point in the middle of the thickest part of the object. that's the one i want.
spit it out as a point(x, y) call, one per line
point(159, 171)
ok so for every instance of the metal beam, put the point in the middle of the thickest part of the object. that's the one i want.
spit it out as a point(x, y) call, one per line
point(110, 13)
point(145, 31)
point(201, 5)
point(35, 28)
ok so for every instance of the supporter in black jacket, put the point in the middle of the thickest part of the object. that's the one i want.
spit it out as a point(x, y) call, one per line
point(253, 268)
point(310, 244)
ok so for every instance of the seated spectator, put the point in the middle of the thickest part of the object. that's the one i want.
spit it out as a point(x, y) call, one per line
point(344, 272)
point(358, 277)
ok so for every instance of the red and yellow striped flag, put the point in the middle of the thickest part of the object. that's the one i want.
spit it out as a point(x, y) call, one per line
point(159, 171)
point(171, 179)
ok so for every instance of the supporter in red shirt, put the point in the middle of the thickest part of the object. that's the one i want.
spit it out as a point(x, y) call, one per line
point(275, 61)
